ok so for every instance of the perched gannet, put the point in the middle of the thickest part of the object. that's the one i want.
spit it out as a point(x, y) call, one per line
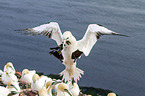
point(27, 76)
point(13, 86)
point(69, 49)
point(8, 75)
point(74, 89)
point(111, 94)
point(12, 89)
point(10, 66)
point(63, 90)
point(43, 92)
point(38, 82)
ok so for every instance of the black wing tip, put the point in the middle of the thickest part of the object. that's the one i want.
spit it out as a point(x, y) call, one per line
point(125, 35)
point(114, 33)
point(47, 22)
point(99, 25)
point(22, 29)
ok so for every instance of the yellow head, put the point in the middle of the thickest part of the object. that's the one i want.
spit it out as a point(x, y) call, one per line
point(62, 86)
point(49, 83)
point(35, 77)
point(11, 84)
point(111, 94)
point(25, 71)
point(9, 64)
point(42, 91)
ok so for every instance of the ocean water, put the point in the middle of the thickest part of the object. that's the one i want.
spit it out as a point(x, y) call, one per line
point(115, 63)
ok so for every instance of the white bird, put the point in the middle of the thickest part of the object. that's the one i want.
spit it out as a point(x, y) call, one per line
point(63, 90)
point(38, 82)
point(10, 66)
point(8, 75)
point(70, 48)
point(74, 88)
point(43, 92)
point(27, 76)
point(13, 86)
point(111, 94)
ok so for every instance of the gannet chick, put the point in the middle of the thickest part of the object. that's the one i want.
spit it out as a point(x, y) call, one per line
point(14, 86)
point(74, 89)
point(27, 76)
point(10, 66)
point(69, 49)
point(43, 92)
point(63, 90)
point(111, 94)
point(8, 75)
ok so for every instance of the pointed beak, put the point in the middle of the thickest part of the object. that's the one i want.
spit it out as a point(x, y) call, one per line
point(68, 42)
point(11, 67)
point(114, 33)
point(67, 92)
point(7, 73)
point(14, 87)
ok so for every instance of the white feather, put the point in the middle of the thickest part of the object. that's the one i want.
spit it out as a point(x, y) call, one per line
point(4, 91)
point(91, 36)
point(50, 28)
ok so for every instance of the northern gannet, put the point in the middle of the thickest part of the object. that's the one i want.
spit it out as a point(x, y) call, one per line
point(10, 66)
point(39, 82)
point(111, 94)
point(63, 90)
point(8, 75)
point(69, 49)
point(27, 76)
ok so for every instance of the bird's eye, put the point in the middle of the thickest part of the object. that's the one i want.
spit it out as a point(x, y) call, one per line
point(67, 38)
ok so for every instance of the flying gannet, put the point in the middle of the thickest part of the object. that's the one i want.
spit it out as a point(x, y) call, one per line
point(69, 49)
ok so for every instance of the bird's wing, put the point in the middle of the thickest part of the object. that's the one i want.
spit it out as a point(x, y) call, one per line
point(94, 31)
point(52, 30)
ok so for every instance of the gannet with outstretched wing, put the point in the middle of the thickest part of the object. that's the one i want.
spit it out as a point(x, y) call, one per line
point(69, 49)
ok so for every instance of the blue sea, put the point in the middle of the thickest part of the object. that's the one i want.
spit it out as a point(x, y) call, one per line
point(115, 63)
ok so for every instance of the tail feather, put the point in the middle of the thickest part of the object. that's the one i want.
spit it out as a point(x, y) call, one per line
point(76, 76)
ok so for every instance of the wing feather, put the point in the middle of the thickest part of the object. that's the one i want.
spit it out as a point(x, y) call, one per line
point(94, 31)
point(52, 30)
